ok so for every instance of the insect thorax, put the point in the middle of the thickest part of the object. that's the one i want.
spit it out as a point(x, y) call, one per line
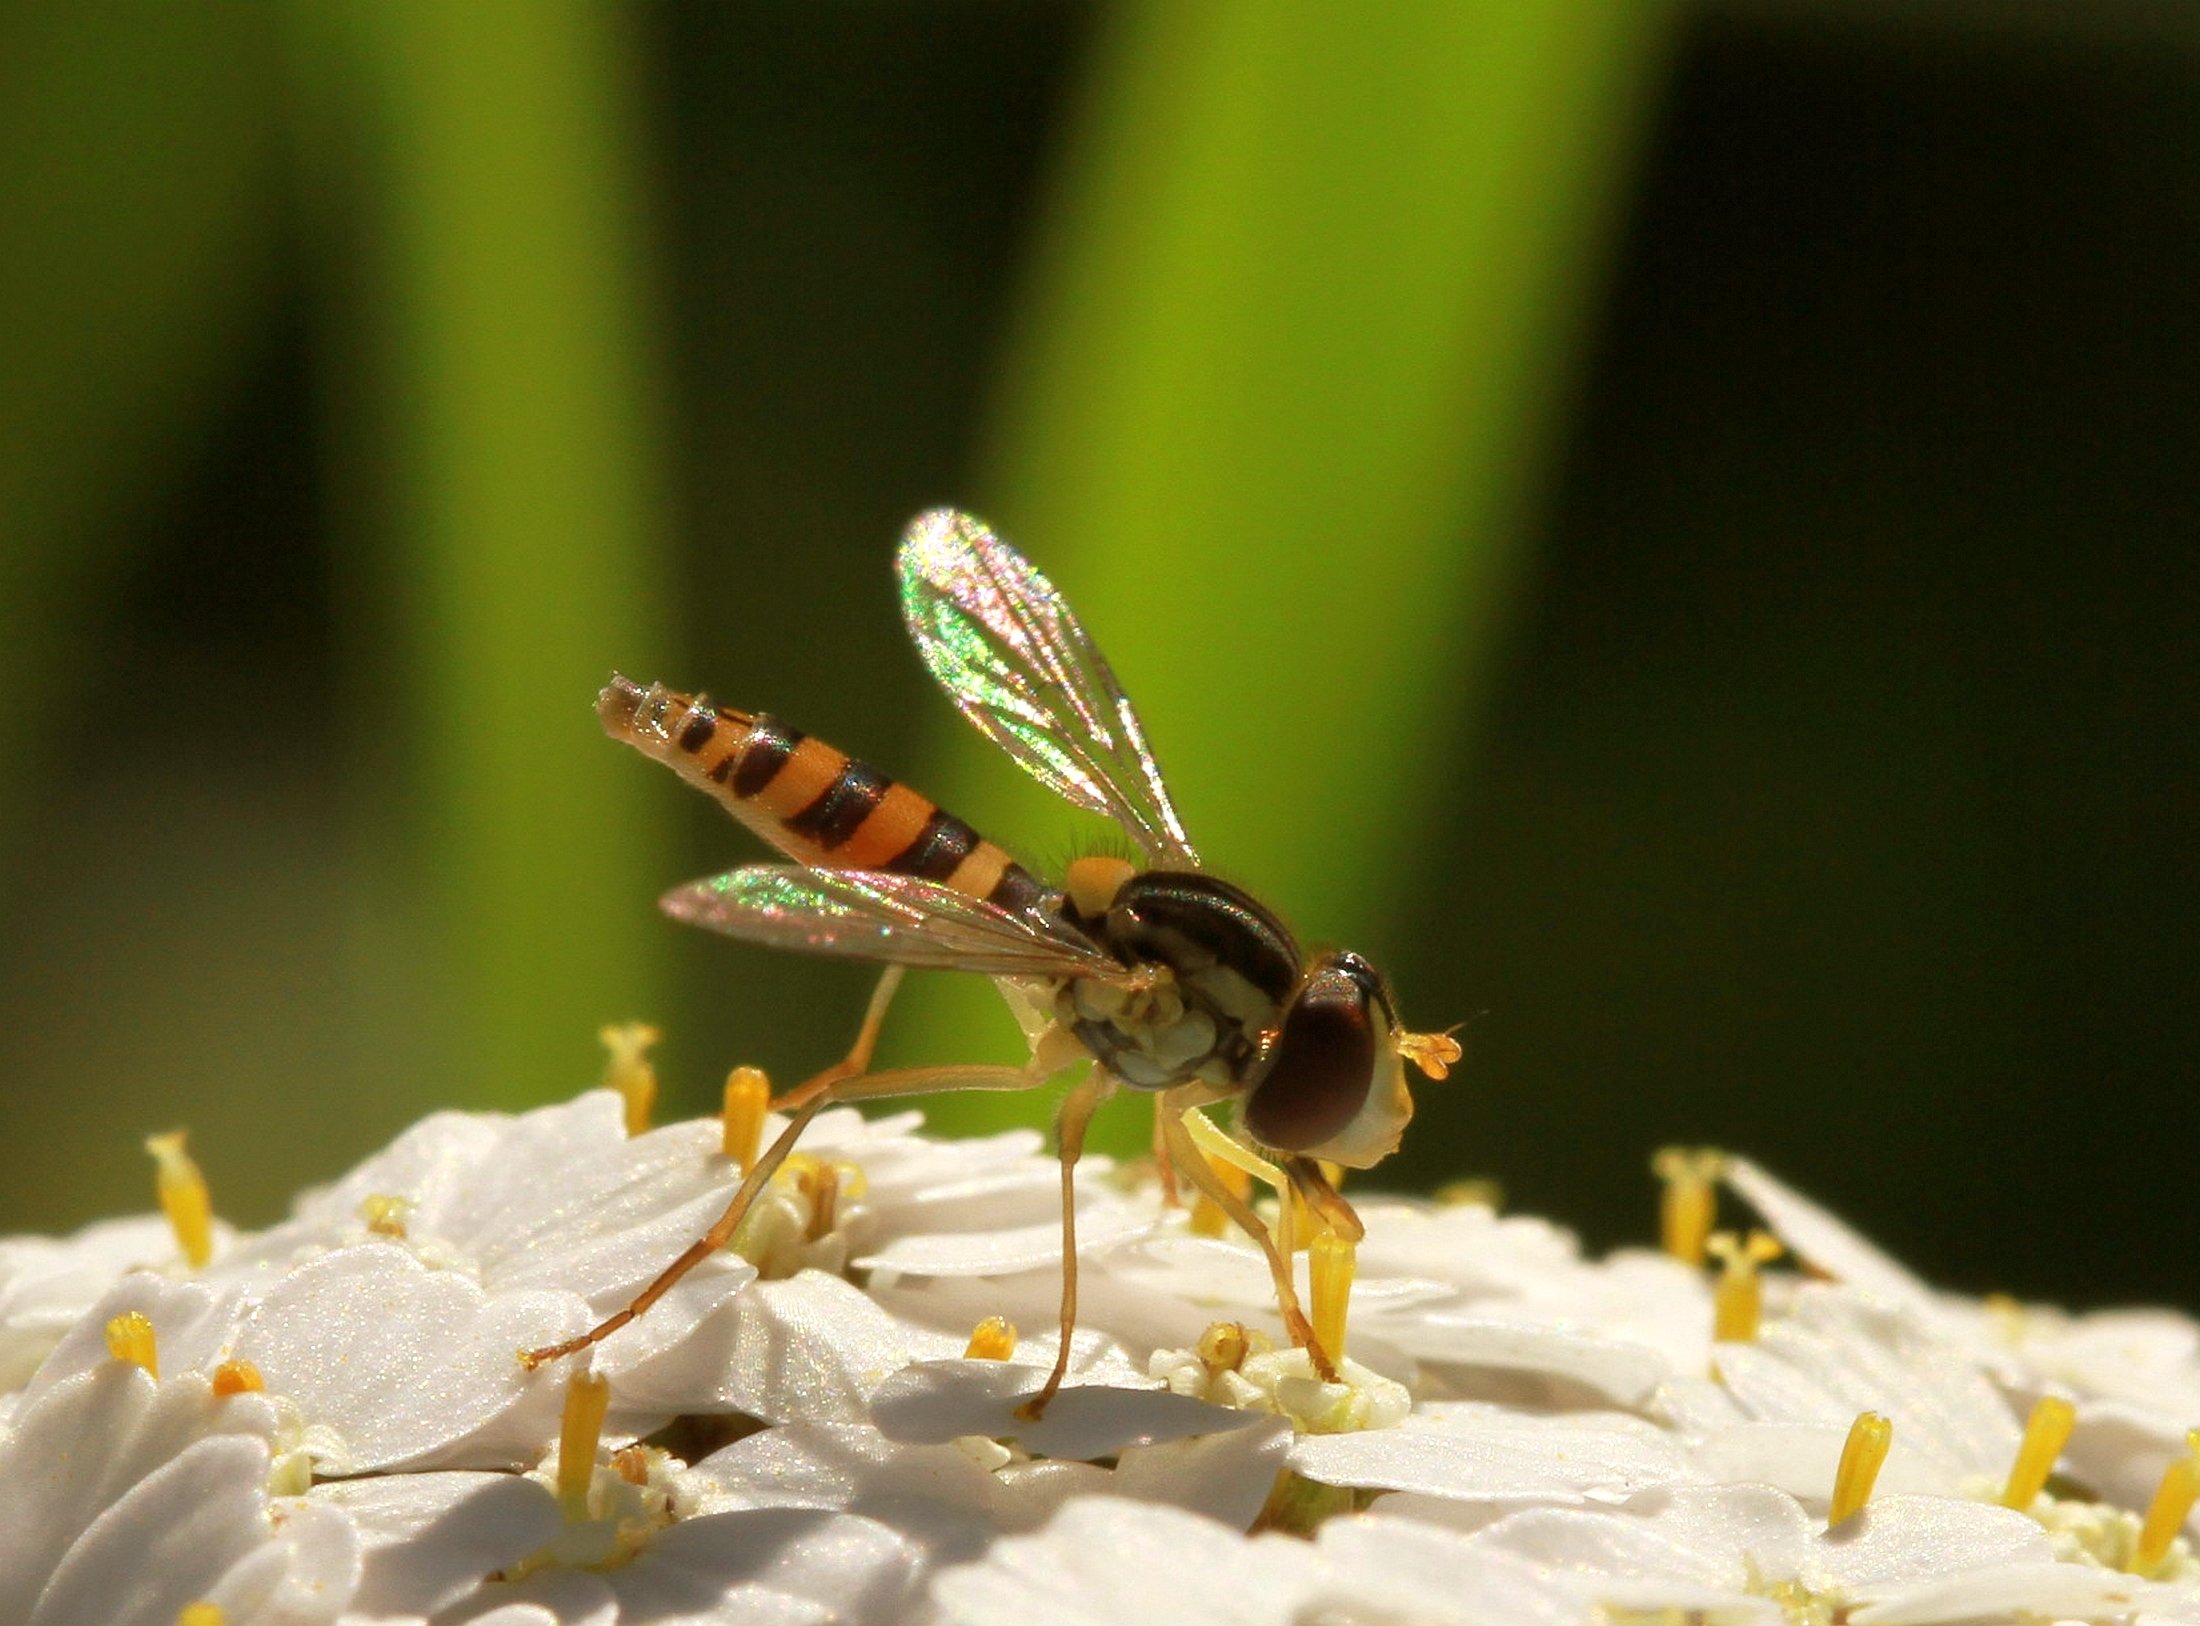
point(1222, 968)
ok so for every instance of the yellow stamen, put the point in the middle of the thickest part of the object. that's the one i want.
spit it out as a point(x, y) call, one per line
point(183, 1197)
point(1861, 1455)
point(201, 1614)
point(630, 1072)
point(2167, 1513)
point(2046, 1432)
point(385, 1216)
point(1738, 1299)
point(587, 1399)
point(1330, 1268)
point(822, 1185)
point(1690, 1200)
point(1208, 1219)
point(992, 1339)
point(237, 1378)
point(1224, 1346)
point(748, 1096)
point(130, 1338)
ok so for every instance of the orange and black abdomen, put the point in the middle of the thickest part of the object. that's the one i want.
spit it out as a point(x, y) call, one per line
point(811, 801)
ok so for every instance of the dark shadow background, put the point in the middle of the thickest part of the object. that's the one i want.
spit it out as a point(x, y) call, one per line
point(1836, 800)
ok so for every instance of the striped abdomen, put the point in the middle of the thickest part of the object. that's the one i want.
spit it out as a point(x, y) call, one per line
point(812, 802)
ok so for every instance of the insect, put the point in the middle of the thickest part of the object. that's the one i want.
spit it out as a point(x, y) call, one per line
point(1167, 979)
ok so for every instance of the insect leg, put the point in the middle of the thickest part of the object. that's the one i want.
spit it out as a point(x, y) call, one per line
point(1171, 1196)
point(878, 1086)
point(1324, 1198)
point(858, 1059)
point(1192, 1164)
point(1077, 1109)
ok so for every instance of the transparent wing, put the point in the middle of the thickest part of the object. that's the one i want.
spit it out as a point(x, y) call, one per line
point(870, 915)
point(1001, 642)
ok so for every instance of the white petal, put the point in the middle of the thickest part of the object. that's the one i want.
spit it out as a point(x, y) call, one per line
point(163, 1544)
point(1227, 1477)
point(1626, 1374)
point(1394, 1569)
point(557, 1596)
point(305, 1574)
point(2121, 1451)
point(411, 1366)
point(1478, 1453)
point(1105, 1562)
point(730, 1566)
point(811, 1347)
point(937, 1401)
point(192, 1327)
point(1465, 1245)
point(1715, 1539)
point(48, 1285)
point(428, 1539)
point(85, 1445)
point(934, 1495)
point(2044, 1591)
point(1900, 1540)
point(1837, 1353)
point(1100, 1227)
point(1813, 1234)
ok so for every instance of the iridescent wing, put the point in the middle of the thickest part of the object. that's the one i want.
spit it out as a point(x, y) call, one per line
point(870, 915)
point(1007, 649)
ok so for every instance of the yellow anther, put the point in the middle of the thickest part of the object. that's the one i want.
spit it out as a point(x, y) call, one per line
point(1224, 1346)
point(992, 1339)
point(630, 1072)
point(1330, 1267)
point(1738, 1298)
point(1476, 1193)
point(201, 1614)
point(748, 1097)
point(1690, 1201)
point(238, 1378)
point(823, 1184)
point(385, 1216)
point(1208, 1219)
point(2046, 1432)
point(587, 1399)
point(130, 1338)
point(1861, 1455)
point(183, 1197)
point(2167, 1513)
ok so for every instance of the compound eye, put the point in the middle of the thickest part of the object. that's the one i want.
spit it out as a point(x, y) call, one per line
point(1323, 1062)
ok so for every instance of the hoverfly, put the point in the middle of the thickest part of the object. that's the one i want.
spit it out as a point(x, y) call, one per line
point(1167, 979)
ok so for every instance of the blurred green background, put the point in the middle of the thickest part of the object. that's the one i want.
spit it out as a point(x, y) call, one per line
point(1668, 526)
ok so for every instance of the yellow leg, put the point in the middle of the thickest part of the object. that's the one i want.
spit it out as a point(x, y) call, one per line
point(858, 1060)
point(1171, 1197)
point(1324, 1199)
point(1077, 1109)
point(1192, 1164)
point(877, 1086)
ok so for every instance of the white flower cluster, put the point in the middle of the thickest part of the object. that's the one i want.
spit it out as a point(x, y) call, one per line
point(327, 1421)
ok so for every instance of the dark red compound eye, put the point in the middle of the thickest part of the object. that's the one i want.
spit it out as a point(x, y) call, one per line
point(1323, 1061)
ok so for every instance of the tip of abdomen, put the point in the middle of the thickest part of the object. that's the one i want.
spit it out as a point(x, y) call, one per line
point(632, 713)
